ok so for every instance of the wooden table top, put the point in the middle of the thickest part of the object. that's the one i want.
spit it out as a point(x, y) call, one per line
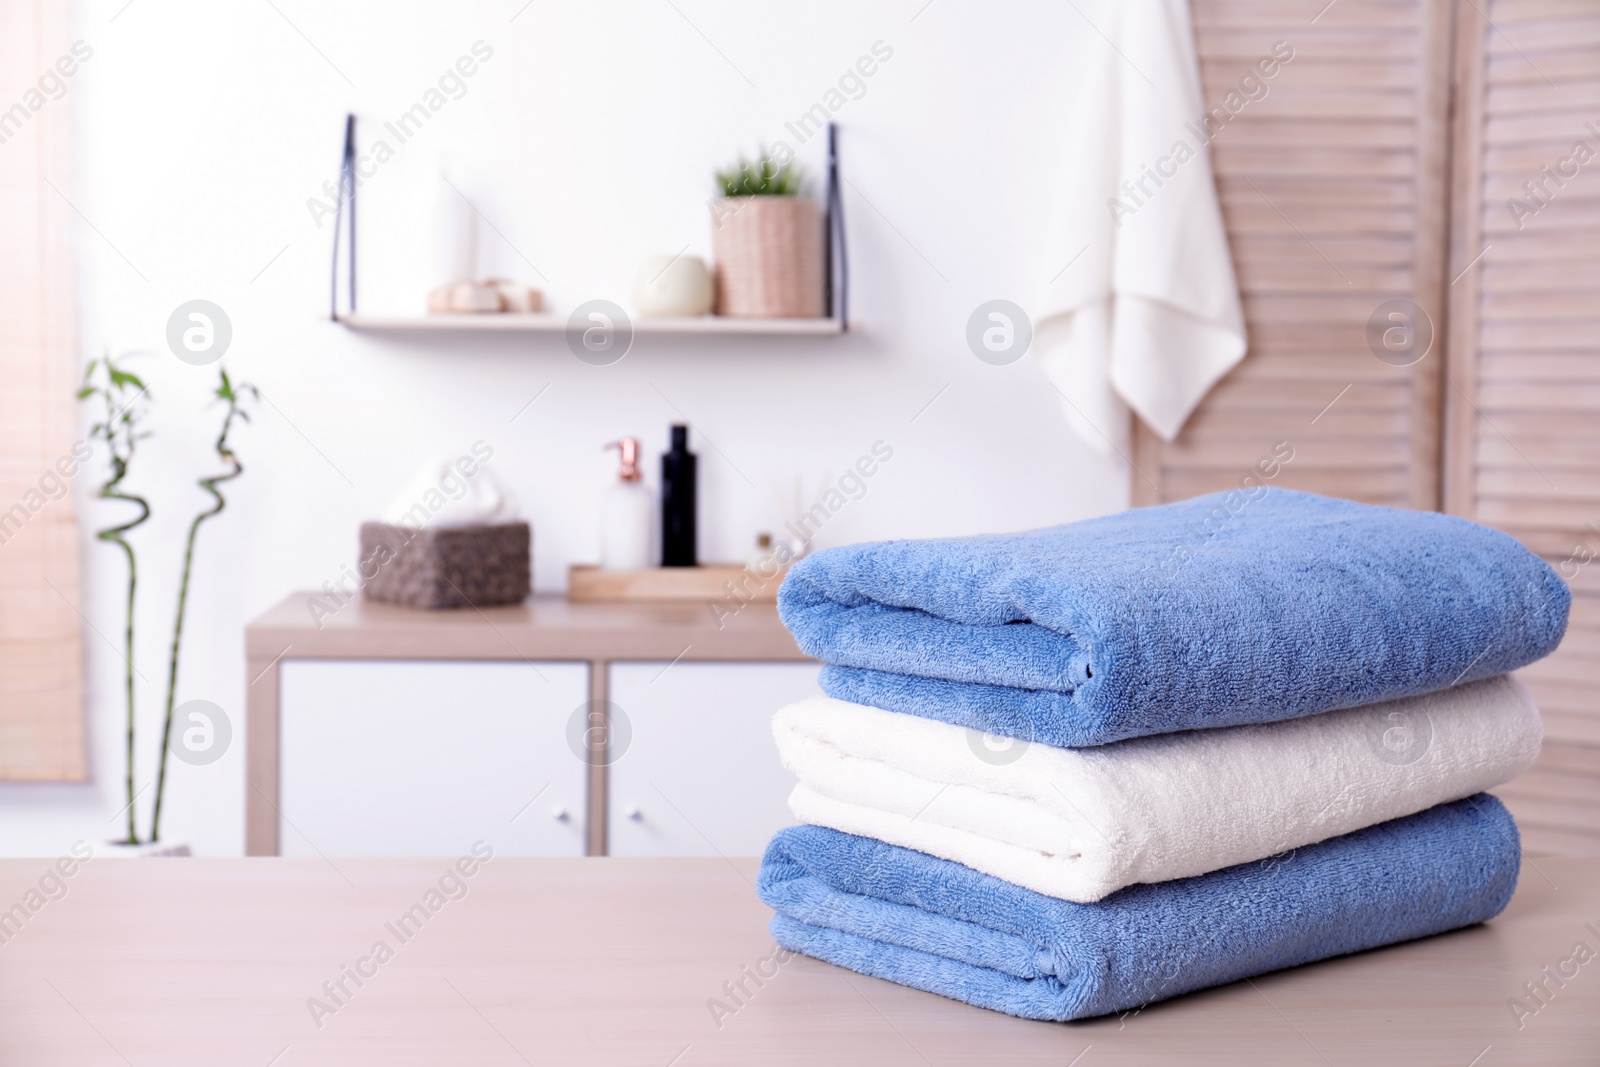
point(310, 625)
point(618, 961)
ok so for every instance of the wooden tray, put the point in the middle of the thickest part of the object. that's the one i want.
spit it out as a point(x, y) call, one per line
point(587, 584)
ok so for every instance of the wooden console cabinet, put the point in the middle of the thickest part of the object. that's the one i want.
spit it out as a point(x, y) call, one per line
point(386, 730)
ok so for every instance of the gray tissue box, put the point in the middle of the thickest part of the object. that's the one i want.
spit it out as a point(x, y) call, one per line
point(447, 567)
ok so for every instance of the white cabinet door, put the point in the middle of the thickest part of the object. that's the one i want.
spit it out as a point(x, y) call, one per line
point(403, 758)
point(700, 775)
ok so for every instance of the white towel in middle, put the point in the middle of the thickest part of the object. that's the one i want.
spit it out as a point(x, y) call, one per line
point(1079, 824)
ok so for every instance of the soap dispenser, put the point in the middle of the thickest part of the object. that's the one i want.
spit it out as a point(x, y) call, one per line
point(626, 514)
point(678, 491)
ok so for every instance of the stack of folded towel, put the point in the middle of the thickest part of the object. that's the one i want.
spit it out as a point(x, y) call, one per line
point(1077, 770)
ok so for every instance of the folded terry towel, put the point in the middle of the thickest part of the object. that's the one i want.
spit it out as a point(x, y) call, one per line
point(935, 925)
point(1245, 606)
point(1082, 823)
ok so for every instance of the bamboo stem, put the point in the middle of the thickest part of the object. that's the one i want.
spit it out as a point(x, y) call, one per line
point(209, 485)
point(121, 439)
point(114, 536)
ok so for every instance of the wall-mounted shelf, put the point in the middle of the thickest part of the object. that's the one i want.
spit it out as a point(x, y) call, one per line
point(704, 325)
point(836, 281)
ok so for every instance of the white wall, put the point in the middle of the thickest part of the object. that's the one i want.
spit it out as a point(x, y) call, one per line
point(591, 133)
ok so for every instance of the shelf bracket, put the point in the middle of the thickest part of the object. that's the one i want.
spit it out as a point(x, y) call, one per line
point(347, 190)
point(837, 258)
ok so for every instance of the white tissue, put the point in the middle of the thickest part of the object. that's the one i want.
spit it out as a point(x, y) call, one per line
point(452, 492)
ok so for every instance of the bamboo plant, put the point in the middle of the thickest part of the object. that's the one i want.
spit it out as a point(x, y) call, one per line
point(232, 397)
point(121, 392)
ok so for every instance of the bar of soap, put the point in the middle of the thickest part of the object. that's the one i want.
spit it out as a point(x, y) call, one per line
point(447, 566)
point(464, 298)
point(517, 299)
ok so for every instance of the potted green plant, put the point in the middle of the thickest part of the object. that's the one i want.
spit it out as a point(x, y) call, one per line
point(768, 242)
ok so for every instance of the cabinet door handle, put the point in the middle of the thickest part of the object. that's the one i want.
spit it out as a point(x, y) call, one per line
point(634, 813)
point(559, 813)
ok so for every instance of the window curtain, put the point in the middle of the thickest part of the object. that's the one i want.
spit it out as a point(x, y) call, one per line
point(41, 656)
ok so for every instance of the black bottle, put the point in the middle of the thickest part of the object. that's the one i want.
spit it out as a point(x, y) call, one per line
point(678, 502)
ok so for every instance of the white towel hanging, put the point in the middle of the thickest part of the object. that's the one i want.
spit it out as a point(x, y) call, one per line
point(1143, 310)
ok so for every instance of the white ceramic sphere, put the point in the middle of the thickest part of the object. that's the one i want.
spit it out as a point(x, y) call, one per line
point(673, 285)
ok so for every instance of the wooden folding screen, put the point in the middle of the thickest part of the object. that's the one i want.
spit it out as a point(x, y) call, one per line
point(1333, 188)
point(41, 703)
point(1522, 400)
point(1350, 187)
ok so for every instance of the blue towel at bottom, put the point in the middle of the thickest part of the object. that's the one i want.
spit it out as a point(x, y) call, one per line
point(935, 925)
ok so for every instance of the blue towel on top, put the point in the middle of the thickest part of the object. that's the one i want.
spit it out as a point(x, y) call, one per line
point(938, 926)
point(1239, 607)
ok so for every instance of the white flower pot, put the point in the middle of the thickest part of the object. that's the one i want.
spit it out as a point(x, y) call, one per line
point(121, 850)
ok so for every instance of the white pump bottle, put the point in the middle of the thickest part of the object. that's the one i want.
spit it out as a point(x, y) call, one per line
point(627, 515)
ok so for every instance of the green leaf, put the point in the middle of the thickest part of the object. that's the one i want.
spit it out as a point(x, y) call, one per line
point(763, 177)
